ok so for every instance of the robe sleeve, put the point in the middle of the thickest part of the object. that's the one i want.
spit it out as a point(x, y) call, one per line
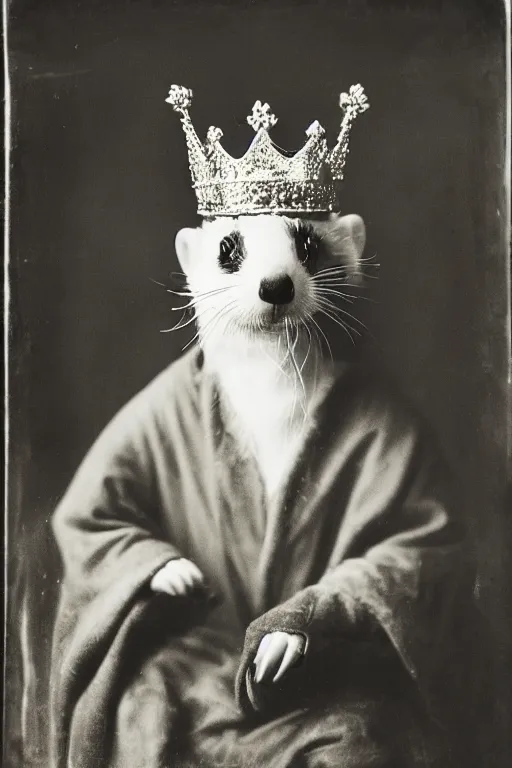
point(407, 572)
point(108, 532)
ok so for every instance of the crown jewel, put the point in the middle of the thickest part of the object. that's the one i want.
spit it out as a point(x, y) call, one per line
point(265, 179)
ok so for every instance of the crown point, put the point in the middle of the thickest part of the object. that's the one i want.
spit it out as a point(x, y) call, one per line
point(180, 98)
point(356, 99)
point(261, 117)
point(213, 134)
point(315, 129)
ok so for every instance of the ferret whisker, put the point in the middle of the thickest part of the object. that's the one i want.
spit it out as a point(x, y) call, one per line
point(311, 349)
point(348, 314)
point(229, 321)
point(344, 325)
point(299, 371)
point(333, 268)
point(181, 294)
point(201, 332)
point(333, 276)
point(287, 350)
point(313, 336)
point(353, 298)
point(337, 309)
point(262, 348)
point(337, 287)
point(367, 260)
point(298, 375)
point(356, 296)
point(330, 305)
point(308, 349)
point(288, 354)
point(196, 336)
point(341, 277)
point(294, 344)
point(347, 275)
point(157, 282)
point(331, 272)
point(317, 349)
point(320, 290)
point(182, 278)
point(343, 273)
point(221, 289)
point(348, 297)
point(287, 343)
point(319, 329)
point(200, 297)
point(195, 296)
point(179, 325)
point(207, 331)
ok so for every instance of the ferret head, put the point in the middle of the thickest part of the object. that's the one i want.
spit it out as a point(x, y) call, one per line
point(261, 275)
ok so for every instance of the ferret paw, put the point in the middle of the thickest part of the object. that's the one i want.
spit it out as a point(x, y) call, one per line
point(178, 578)
point(277, 653)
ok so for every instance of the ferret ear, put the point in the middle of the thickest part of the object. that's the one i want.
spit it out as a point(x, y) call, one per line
point(350, 233)
point(346, 237)
point(186, 244)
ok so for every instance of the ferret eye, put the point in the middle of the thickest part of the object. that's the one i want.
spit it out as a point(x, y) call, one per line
point(311, 247)
point(227, 246)
point(307, 248)
point(230, 252)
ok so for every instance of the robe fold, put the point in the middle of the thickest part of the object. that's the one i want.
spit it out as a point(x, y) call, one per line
point(363, 553)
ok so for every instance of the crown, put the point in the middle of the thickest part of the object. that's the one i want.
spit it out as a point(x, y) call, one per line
point(266, 179)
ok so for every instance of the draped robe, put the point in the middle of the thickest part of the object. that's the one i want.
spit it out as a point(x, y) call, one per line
point(362, 553)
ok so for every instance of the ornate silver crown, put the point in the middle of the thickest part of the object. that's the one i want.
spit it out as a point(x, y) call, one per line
point(265, 179)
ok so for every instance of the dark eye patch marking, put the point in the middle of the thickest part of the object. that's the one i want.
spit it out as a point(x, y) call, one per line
point(231, 252)
point(307, 245)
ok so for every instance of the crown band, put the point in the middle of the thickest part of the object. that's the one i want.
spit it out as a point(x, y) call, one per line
point(237, 198)
point(264, 180)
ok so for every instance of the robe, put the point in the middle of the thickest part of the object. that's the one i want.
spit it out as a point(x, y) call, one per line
point(363, 553)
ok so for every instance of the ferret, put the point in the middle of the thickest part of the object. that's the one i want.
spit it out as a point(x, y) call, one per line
point(351, 572)
point(257, 285)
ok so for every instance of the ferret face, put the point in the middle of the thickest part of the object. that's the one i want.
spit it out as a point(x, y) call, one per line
point(262, 274)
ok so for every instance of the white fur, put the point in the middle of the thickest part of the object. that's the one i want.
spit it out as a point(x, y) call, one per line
point(272, 413)
point(272, 378)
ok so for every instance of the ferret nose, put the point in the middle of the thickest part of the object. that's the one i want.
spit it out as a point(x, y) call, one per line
point(277, 290)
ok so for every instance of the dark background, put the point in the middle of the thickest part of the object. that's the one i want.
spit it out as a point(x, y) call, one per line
point(100, 185)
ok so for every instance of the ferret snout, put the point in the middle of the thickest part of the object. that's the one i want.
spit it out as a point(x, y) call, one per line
point(277, 290)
